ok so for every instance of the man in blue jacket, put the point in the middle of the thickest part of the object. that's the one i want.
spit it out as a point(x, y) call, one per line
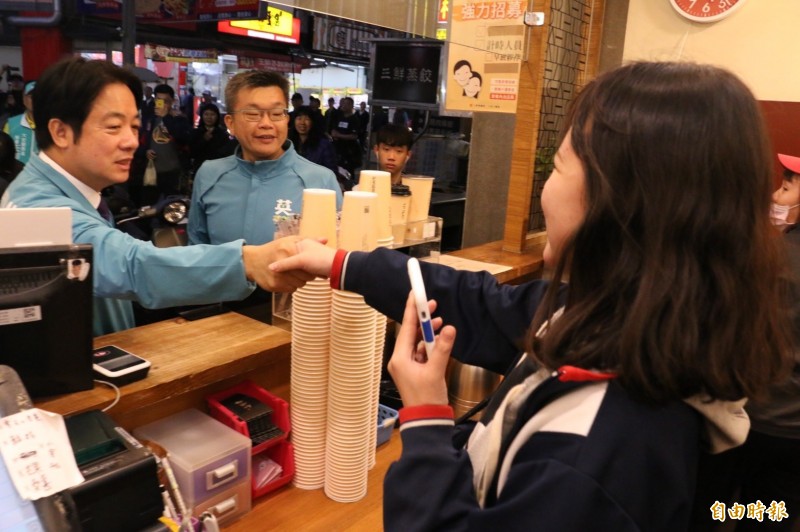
point(248, 193)
point(88, 132)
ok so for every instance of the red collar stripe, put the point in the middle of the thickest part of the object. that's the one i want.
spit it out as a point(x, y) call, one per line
point(575, 374)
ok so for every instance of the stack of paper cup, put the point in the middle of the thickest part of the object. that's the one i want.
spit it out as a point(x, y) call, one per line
point(380, 183)
point(421, 190)
point(351, 417)
point(357, 229)
point(319, 215)
point(377, 366)
point(311, 308)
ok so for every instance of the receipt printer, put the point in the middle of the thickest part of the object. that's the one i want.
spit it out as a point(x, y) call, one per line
point(120, 490)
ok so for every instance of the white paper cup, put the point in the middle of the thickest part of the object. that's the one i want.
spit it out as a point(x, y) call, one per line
point(380, 183)
point(319, 215)
point(421, 190)
point(357, 229)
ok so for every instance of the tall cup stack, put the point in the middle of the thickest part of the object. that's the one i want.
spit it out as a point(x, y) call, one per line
point(311, 308)
point(380, 183)
point(351, 417)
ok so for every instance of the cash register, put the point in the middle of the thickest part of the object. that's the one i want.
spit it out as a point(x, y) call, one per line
point(120, 490)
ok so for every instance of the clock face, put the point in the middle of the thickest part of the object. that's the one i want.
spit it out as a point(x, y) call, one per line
point(706, 10)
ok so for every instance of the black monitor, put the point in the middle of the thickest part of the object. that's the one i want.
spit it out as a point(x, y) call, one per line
point(46, 317)
point(405, 73)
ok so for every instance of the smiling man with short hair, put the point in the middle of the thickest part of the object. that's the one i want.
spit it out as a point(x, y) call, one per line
point(243, 195)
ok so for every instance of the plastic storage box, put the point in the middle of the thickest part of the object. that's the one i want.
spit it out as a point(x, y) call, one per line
point(207, 457)
point(387, 417)
point(227, 506)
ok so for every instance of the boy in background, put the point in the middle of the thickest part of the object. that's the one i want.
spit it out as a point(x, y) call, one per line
point(393, 150)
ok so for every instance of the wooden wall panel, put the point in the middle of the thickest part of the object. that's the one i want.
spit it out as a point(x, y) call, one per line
point(523, 152)
point(524, 186)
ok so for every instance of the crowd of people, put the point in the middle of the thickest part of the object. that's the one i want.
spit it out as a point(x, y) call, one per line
point(667, 308)
point(17, 139)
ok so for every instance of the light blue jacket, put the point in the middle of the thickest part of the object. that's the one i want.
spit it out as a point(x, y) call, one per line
point(129, 269)
point(233, 198)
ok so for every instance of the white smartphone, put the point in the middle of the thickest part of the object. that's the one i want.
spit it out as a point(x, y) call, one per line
point(118, 366)
point(421, 300)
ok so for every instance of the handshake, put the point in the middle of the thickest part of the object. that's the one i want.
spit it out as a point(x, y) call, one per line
point(286, 264)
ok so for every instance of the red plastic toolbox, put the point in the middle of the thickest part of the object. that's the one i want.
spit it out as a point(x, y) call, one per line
point(280, 412)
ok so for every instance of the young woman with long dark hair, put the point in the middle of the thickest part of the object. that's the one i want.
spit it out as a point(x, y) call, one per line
point(665, 311)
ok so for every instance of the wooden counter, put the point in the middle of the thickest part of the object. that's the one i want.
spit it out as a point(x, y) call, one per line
point(290, 508)
point(524, 266)
point(190, 359)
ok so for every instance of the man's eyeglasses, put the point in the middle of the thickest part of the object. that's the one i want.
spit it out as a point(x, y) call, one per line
point(255, 115)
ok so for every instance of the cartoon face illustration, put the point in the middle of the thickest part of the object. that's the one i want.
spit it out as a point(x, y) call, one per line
point(462, 71)
point(473, 86)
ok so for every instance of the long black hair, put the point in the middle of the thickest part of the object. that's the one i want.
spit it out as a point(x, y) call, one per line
point(675, 272)
point(209, 107)
point(315, 133)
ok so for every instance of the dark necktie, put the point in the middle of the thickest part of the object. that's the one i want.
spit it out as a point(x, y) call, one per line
point(104, 211)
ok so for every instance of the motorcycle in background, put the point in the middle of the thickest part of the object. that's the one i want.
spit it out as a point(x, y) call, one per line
point(163, 223)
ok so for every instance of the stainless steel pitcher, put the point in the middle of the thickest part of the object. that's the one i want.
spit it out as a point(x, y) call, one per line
point(468, 385)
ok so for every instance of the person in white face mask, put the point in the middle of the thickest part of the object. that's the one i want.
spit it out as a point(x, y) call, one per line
point(768, 466)
point(785, 208)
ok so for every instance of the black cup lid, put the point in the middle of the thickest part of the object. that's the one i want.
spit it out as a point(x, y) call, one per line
point(401, 190)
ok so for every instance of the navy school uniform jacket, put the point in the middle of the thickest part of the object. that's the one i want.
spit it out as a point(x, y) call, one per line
point(563, 455)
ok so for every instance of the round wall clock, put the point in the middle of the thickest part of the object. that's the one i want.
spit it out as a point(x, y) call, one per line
point(706, 10)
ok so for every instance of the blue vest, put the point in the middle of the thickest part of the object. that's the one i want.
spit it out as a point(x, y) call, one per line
point(24, 137)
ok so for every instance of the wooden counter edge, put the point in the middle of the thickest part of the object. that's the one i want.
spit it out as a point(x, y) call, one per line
point(171, 346)
point(524, 266)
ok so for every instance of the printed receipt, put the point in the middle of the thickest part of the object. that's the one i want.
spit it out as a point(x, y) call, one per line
point(37, 453)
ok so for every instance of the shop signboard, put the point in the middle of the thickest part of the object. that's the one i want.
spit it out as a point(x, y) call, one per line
point(285, 66)
point(226, 9)
point(276, 21)
point(278, 25)
point(156, 10)
point(27, 5)
point(487, 40)
point(248, 30)
point(347, 38)
point(179, 55)
point(405, 73)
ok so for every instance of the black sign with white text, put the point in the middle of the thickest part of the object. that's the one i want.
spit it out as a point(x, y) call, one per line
point(406, 73)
